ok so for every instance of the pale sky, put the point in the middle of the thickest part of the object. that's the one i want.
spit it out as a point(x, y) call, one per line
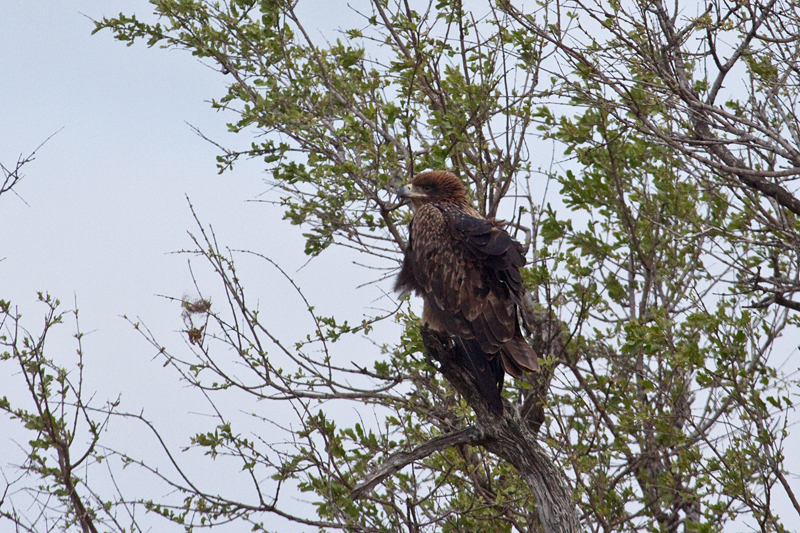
point(104, 204)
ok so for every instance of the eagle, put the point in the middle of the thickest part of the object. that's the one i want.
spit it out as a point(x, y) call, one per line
point(466, 269)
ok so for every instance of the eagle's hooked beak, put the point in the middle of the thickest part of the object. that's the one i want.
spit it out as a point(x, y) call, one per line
point(407, 191)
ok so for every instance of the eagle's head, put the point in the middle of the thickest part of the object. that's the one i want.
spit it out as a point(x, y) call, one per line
point(434, 187)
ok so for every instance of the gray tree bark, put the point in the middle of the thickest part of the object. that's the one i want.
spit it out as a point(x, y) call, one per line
point(511, 438)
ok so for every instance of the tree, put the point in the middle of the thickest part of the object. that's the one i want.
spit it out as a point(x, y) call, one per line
point(64, 425)
point(660, 403)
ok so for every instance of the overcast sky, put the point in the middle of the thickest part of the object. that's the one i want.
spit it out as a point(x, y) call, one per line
point(105, 201)
point(104, 204)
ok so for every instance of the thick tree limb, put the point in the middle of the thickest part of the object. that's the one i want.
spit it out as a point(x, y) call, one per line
point(768, 188)
point(510, 438)
point(395, 463)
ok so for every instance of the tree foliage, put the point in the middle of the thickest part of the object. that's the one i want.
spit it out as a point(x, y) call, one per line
point(663, 252)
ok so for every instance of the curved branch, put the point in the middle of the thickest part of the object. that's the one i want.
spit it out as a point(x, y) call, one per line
point(510, 438)
point(395, 463)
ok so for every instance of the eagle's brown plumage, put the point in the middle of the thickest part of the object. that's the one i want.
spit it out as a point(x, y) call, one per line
point(467, 271)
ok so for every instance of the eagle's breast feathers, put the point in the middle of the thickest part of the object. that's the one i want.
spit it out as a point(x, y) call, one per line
point(467, 271)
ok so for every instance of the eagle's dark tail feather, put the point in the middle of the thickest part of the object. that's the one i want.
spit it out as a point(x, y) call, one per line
point(487, 370)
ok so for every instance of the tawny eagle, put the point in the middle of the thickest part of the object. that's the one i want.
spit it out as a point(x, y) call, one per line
point(466, 269)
